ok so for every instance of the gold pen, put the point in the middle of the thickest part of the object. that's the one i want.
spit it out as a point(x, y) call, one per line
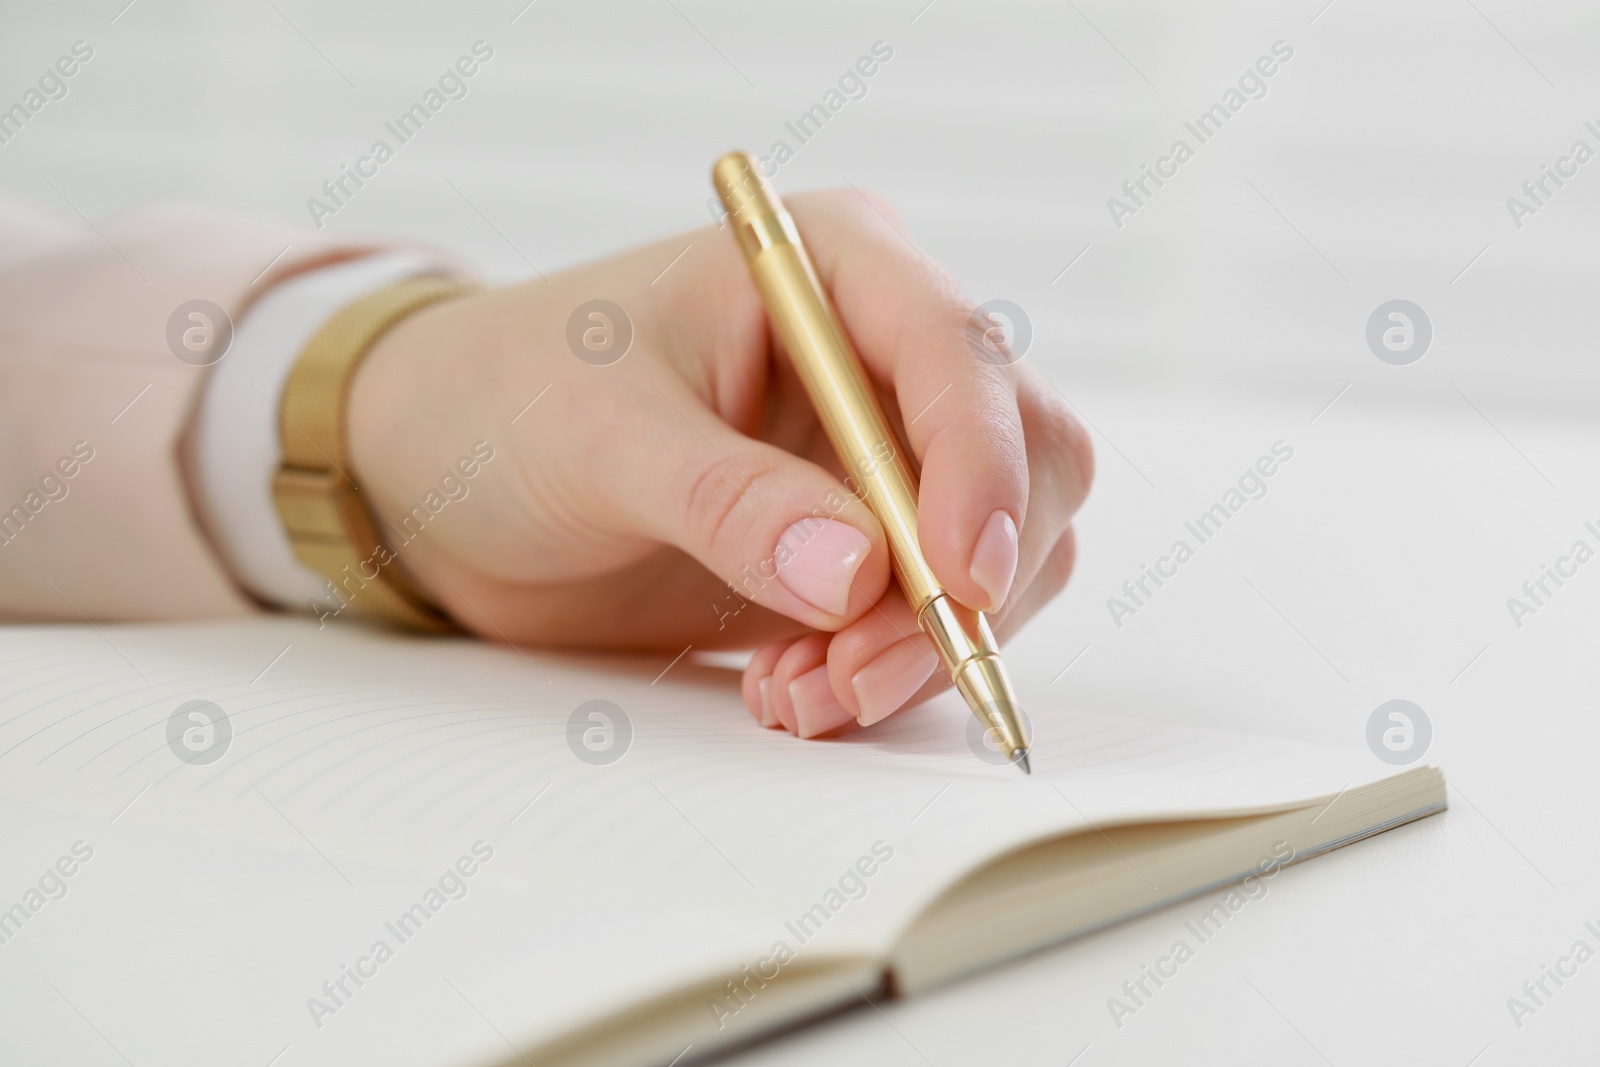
point(864, 439)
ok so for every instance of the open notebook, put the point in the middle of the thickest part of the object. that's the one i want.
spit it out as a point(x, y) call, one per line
point(411, 851)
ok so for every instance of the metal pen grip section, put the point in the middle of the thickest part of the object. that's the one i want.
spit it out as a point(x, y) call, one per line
point(966, 633)
point(972, 656)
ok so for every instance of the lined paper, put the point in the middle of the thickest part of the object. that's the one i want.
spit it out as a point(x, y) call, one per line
point(361, 764)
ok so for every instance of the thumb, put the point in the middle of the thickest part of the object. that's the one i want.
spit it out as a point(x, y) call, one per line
point(780, 530)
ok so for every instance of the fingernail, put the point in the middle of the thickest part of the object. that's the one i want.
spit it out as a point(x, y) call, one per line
point(816, 710)
point(994, 560)
point(885, 684)
point(817, 560)
point(782, 709)
point(768, 717)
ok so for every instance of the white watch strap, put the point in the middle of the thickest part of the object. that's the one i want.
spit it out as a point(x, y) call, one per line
point(235, 441)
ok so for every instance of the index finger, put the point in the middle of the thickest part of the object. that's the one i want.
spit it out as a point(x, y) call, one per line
point(909, 321)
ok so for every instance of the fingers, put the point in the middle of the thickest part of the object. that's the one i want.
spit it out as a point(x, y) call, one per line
point(756, 685)
point(780, 530)
point(959, 410)
point(883, 663)
point(859, 676)
point(1047, 581)
point(802, 697)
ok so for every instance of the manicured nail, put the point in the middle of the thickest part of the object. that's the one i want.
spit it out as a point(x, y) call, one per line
point(782, 708)
point(886, 683)
point(816, 710)
point(768, 717)
point(994, 560)
point(818, 559)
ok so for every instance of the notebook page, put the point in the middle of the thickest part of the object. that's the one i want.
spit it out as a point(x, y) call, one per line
point(385, 748)
point(369, 760)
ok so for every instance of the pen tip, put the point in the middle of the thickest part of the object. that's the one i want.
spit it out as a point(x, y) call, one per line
point(1022, 761)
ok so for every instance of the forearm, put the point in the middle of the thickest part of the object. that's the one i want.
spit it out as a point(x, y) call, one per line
point(87, 374)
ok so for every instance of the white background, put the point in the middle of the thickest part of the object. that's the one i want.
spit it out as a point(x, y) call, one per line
point(1228, 314)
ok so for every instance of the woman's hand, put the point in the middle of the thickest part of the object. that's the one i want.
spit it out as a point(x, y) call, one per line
point(685, 493)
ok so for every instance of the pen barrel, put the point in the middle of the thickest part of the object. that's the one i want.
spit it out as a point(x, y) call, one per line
point(878, 466)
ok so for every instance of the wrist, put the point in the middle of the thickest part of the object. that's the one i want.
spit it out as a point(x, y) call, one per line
point(399, 405)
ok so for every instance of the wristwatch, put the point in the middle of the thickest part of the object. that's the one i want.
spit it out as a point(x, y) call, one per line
point(321, 506)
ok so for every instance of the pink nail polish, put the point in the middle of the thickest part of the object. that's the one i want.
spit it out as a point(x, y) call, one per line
point(994, 558)
point(817, 560)
point(767, 717)
point(816, 710)
point(891, 679)
point(782, 708)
